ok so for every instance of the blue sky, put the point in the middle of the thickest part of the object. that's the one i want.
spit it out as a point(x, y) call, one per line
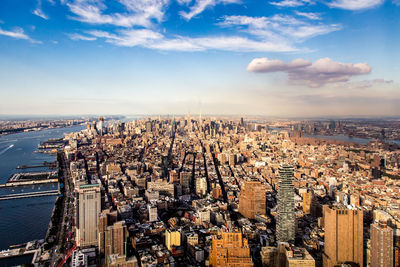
point(277, 58)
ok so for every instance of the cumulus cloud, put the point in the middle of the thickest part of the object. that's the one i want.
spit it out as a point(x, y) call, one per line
point(291, 3)
point(200, 5)
point(39, 12)
point(138, 12)
point(355, 4)
point(312, 74)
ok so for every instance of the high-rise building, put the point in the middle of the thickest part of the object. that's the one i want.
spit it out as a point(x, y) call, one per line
point(152, 210)
point(343, 236)
point(201, 186)
point(381, 245)
point(115, 239)
point(309, 203)
point(106, 218)
point(286, 221)
point(87, 214)
point(230, 249)
point(185, 178)
point(252, 199)
point(172, 238)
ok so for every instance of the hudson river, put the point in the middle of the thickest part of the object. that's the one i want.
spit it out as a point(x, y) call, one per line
point(25, 219)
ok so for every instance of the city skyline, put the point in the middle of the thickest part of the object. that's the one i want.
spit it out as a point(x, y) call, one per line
point(281, 58)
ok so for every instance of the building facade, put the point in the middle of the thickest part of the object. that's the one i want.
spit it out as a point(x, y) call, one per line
point(87, 214)
point(286, 221)
point(381, 245)
point(343, 236)
point(252, 199)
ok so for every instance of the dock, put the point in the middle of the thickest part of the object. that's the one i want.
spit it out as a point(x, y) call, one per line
point(32, 176)
point(9, 253)
point(30, 194)
point(30, 182)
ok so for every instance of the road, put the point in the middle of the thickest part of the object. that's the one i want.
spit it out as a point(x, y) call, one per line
point(57, 255)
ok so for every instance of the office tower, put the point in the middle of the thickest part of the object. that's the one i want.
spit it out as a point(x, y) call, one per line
point(173, 176)
point(295, 257)
point(230, 249)
point(343, 236)
point(285, 225)
point(87, 217)
point(149, 126)
point(152, 210)
point(381, 245)
point(268, 256)
point(252, 199)
point(309, 203)
point(185, 178)
point(106, 218)
point(172, 238)
point(201, 186)
point(116, 238)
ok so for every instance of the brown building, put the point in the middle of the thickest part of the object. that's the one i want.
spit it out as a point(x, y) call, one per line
point(230, 249)
point(286, 255)
point(115, 239)
point(309, 203)
point(252, 199)
point(343, 236)
point(381, 245)
point(106, 218)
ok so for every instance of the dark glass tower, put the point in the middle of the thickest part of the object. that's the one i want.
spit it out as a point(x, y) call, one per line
point(285, 225)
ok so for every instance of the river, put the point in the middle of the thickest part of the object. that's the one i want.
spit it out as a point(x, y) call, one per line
point(26, 219)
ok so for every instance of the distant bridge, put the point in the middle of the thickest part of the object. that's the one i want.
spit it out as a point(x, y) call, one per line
point(30, 194)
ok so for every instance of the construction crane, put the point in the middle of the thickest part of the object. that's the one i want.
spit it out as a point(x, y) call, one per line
point(69, 253)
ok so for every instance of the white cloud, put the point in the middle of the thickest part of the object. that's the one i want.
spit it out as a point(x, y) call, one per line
point(76, 37)
point(363, 84)
point(396, 2)
point(184, 2)
point(17, 33)
point(39, 12)
point(280, 28)
point(201, 5)
point(291, 3)
point(138, 12)
point(316, 74)
point(154, 40)
point(355, 4)
point(309, 15)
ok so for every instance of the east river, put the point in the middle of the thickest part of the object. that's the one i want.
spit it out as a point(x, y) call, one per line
point(26, 219)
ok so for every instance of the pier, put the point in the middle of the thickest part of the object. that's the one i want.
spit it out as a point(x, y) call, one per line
point(9, 253)
point(30, 194)
point(31, 182)
point(51, 165)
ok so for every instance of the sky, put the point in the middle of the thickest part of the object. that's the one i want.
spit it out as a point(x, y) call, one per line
point(279, 58)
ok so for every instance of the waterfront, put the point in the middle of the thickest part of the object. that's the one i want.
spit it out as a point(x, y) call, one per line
point(25, 219)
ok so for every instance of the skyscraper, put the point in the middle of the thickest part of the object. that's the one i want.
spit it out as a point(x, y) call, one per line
point(115, 239)
point(252, 199)
point(230, 249)
point(381, 245)
point(87, 214)
point(285, 226)
point(343, 236)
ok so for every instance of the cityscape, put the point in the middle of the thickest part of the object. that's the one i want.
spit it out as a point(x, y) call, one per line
point(150, 133)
